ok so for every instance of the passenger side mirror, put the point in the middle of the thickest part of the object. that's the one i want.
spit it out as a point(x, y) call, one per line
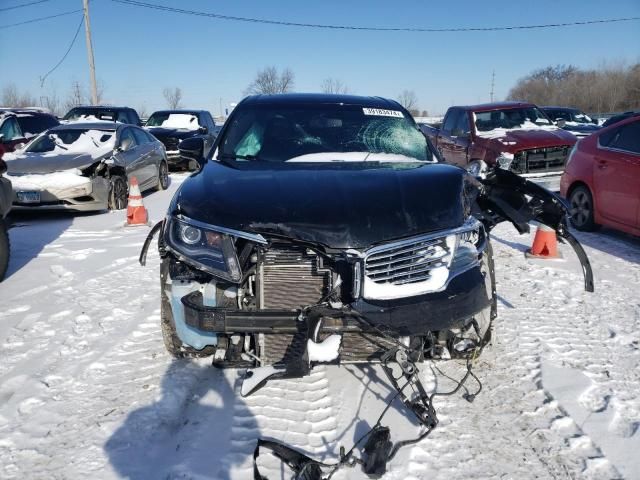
point(561, 122)
point(203, 130)
point(192, 150)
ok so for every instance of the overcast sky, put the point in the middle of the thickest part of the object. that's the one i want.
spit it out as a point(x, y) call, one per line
point(139, 51)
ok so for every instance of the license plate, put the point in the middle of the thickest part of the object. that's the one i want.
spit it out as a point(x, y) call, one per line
point(28, 197)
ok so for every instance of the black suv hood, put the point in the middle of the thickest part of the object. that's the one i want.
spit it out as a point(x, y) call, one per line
point(179, 133)
point(339, 205)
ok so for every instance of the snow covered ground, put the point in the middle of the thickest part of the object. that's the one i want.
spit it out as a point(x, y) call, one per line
point(87, 391)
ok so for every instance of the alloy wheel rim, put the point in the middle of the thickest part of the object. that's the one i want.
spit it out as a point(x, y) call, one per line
point(580, 208)
point(164, 175)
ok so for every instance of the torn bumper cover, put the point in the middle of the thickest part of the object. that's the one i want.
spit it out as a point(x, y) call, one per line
point(66, 190)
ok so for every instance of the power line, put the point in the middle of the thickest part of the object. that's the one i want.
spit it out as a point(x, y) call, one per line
point(33, 20)
point(364, 28)
point(42, 79)
point(22, 5)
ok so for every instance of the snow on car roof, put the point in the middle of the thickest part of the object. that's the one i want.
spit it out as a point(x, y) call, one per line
point(92, 125)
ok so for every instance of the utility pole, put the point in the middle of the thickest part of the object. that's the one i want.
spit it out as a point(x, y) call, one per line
point(92, 66)
point(493, 81)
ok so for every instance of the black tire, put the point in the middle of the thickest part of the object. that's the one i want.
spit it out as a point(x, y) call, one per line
point(171, 341)
point(118, 193)
point(163, 176)
point(4, 249)
point(581, 209)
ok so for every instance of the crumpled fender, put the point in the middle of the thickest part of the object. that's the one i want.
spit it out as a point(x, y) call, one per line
point(504, 196)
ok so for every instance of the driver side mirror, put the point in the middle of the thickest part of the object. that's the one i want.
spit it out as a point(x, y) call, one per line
point(192, 150)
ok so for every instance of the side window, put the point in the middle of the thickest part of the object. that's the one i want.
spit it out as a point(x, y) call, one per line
point(10, 129)
point(450, 121)
point(463, 123)
point(140, 136)
point(127, 140)
point(628, 138)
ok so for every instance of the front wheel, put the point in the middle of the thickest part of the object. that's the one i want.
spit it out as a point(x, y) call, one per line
point(581, 209)
point(118, 193)
point(4, 248)
point(163, 176)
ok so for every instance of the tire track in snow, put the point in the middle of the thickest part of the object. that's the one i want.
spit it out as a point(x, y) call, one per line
point(299, 412)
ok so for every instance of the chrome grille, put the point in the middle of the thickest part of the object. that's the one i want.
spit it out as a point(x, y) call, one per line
point(403, 263)
point(550, 159)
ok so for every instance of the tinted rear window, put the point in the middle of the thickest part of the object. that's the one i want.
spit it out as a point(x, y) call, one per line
point(31, 125)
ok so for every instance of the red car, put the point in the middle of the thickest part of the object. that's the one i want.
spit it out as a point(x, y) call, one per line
point(602, 179)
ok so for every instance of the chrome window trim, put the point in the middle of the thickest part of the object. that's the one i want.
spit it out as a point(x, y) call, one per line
point(254, 237)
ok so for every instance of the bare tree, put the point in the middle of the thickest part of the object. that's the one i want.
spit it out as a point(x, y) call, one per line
point(76, 96)
point(605, 89)
point(52, 103)
point(409, 100)
point(142, 110)
point(11, 97)
point(333, 85)
point(173, 96)
point(269, 81)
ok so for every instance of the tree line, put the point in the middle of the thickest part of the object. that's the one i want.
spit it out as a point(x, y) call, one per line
point(608, 88)
point(268, 80)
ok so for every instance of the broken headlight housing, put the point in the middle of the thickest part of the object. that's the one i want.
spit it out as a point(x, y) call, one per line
point(203, 246)
point(424, 264)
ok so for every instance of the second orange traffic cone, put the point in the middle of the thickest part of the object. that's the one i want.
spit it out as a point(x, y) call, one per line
point(545, 243)
point(136, 213)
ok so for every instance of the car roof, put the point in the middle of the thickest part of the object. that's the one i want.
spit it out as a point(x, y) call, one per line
point(180, 110)
point(486, 107)
point(110, 126)
point(23, 111)
point(100, 107)
point(320, 98)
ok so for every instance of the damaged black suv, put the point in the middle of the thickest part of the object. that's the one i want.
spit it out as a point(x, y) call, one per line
point(323, 228)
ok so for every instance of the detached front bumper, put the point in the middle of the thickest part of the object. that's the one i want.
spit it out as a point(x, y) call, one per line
point(59, 191)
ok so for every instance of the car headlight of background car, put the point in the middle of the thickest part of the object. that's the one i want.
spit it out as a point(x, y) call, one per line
point(203, 247)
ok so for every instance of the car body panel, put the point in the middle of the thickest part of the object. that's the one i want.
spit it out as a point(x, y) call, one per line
point(65, 181)
point(337, 205)
point(612, 176)
point(487, 147)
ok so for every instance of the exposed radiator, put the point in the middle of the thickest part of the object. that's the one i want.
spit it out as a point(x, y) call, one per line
point(292, 277)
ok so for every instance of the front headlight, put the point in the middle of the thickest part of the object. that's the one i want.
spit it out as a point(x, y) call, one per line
point(424, 264)
point(203, 247)
point(505, 160)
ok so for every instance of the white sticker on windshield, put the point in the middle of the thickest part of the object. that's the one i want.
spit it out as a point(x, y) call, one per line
point(380, 112)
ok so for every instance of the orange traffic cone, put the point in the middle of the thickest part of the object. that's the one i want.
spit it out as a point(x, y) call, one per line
point(545, 244)
point(136, 213)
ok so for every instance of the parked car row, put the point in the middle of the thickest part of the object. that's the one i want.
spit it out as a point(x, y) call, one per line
point(597, 168)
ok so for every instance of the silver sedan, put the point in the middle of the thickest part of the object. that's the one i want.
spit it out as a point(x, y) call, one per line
point(86, 166)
